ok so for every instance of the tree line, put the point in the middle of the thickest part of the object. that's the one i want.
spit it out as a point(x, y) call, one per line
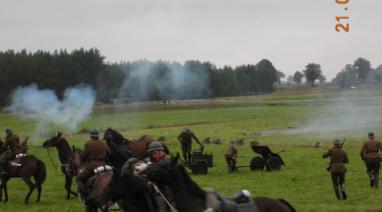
point(139, 80)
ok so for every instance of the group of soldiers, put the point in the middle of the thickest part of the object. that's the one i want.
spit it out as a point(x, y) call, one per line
point(96, 153)
point(185, 138)
point(338, 158)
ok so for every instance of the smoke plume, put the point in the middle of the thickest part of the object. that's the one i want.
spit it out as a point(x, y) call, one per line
point(44, 107)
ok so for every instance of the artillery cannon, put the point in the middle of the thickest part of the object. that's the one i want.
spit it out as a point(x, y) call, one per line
point(269, 160)
point(200, 161)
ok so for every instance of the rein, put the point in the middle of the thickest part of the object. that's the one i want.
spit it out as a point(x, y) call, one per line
point(173, 209)
point(51, 160)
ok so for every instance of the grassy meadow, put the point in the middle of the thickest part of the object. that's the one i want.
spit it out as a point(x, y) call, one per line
point(292, 120)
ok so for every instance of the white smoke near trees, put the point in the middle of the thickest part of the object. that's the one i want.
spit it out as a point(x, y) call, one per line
point(44, 107)
point(162, 80)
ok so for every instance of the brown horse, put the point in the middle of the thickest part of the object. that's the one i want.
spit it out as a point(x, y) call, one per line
point(136, 149)
point(95, 185)
point(64, 153)
point(24, 167)
point(171, 175)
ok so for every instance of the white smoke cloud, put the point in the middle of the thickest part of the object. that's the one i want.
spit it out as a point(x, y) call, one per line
point(44, 107)
point(177, 81)
point(351, 113)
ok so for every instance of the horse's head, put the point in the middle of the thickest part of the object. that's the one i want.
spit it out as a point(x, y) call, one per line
point(112, 136)
point(108, 135)
point(162, 172)
point(53, 141)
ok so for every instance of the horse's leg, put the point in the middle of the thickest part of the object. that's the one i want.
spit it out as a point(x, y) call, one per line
point(39, 188)
point(70, 180)
point(28, 181)
point(67, 186)
point(5, 191)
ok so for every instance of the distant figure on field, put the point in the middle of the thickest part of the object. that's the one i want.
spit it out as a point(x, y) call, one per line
point(338, 158)
point(370, 155)
point(185, 139)
point(230, 157)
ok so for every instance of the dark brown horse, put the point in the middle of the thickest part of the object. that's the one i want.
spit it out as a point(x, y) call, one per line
point(136, 149)
point(95, 185)
point(64, 153)
point(25, 167)
point(171, 174)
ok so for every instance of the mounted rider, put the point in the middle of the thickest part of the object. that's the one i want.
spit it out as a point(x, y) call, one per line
point(95, 154)
point(370, 155)
point(12, 141)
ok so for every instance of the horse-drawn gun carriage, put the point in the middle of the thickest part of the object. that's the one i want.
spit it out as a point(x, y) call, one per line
point(200, 161)
point(269, 160)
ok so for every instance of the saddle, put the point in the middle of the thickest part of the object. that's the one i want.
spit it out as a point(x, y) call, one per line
point(16, 161)
point(240, 202)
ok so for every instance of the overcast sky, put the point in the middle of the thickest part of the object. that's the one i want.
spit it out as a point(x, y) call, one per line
point(290, 33)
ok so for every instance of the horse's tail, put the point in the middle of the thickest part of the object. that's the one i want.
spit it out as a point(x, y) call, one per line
point(292, 209)
point(40, 174)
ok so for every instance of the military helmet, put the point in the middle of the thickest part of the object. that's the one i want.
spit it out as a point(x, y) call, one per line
point(94, 133)
point(336, 141)
point(8, 130)
point(371, 134)
point(155, 145)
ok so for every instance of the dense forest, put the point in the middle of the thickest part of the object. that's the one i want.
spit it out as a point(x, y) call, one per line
point(138, 80)
point(159, 80)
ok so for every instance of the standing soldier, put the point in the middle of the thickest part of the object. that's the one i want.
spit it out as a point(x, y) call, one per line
point(185, 139)
point(12, 141)
point(230, 157)
point(370, 155)
point(338, 158)
point(95, 154)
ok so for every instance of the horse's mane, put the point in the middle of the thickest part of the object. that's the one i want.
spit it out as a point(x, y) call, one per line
point(184, 178)
point(117, 157)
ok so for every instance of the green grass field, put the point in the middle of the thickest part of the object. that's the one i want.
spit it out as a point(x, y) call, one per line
point(281, 118)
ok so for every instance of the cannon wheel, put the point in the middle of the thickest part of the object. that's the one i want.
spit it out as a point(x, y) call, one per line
point(257, 163)
point(199, 167)
point(273, 164)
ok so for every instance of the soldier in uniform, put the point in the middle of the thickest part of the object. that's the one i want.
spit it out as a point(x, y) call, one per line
point(95, 154)
point(12, 141)
point(338, 158)
point(185, 139)
point(230, 157)
point(370, 155)
point(157, 152)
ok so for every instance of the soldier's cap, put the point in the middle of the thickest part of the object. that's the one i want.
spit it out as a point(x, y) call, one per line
point(336, 141)
point(371, 134)
point(155, 145)
point(186, 129)
point(8, 130)
point(94, 133)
